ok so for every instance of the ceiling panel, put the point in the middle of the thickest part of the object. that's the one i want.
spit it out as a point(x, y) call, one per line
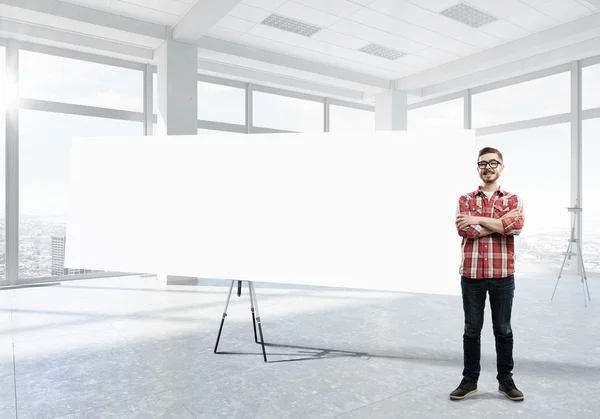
point(340, 39)
point(564, 10)
point(318, 56)
point(434, 22)
point(437, 56)
point(379, 20)
point(237, 24)
point(533, 20)
point(501, 9)
point(247, 12)
point(376, 36)
point(505, 30)
point(325, 48)
point(174, 7)
point(340, 8)
point(434, 5)
point(142, 13)
point(265, 4)
point(307, 14)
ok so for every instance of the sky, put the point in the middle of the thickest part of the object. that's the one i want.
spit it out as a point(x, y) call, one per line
point(536, 159)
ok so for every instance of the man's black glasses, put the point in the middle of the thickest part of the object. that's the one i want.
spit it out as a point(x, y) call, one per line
point(492, 163)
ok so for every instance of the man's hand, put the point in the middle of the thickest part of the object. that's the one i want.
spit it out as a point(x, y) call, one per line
point(464, 221)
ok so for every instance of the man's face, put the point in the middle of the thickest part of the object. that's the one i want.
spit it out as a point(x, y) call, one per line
point(487, 173)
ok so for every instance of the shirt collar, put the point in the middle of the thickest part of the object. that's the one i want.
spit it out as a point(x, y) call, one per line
point(479, 191)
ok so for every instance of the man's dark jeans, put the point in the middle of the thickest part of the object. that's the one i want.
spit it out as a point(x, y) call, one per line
point(501, 292)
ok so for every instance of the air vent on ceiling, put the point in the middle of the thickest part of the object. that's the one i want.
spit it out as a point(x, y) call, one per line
point(291, 25)
point(383, 52)
point(468, 15)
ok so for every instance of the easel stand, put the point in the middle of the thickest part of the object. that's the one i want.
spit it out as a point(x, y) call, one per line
point(253, 309)
point(576, 210)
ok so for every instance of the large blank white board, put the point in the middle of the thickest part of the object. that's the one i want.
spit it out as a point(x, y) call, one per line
point(372, 211)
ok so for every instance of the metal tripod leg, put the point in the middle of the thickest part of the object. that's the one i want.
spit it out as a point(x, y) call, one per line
point(563, 266)
point(252, 311)
point(255, 303)
point(224, 315)
point(584, 276)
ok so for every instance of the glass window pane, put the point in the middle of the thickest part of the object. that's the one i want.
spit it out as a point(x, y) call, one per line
point(221, 103)
point(58, 79)
point(532, 99)
point(44, 149)
point(2, 168)
point(590, 95)
point(345, 119)
point(591, 195)
point(534, 159)
point(448, 114)
point(287, 113)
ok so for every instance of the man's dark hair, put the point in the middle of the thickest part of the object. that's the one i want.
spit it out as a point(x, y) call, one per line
point(487, 150)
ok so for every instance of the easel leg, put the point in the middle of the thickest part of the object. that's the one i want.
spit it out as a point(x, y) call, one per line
point(252, 311)
point(561, 269)
point(262, 341)
point(583, 276)
point(224, 315)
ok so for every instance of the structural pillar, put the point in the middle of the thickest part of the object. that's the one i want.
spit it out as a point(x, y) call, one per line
point(177, 98)
point(177, 88)
point(391, 111)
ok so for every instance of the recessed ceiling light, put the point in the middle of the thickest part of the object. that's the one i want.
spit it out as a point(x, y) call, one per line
point(381, 51)
point(468, 15)
point(291, 25)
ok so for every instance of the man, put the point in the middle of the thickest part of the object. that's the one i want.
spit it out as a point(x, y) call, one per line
point(488, 219)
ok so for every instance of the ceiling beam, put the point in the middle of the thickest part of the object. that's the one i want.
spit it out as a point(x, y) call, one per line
point(288, 61)
point(200, 18)
point(539, 62)
point(560, 36)
point(33, 33)
point(89, 15)
point(278, 80)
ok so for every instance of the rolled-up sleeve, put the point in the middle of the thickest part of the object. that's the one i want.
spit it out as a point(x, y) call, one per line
point(514, 225)
point(471, 232)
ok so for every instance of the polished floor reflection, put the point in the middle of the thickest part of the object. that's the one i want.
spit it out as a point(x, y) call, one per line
point(136, 348)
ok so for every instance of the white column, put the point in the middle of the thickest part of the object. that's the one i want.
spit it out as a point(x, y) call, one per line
point(177, 98)
point(391, 111)
point(177, 88)
point(576, 157)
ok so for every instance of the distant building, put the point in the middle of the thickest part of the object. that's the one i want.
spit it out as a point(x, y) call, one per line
point(58, 258)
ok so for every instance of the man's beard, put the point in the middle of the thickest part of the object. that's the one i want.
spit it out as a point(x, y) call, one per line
point(489, 177)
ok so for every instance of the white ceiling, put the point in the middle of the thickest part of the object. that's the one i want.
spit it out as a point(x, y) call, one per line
point(438, 49)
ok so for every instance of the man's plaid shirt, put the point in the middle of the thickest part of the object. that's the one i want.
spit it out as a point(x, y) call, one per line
point(491, 256)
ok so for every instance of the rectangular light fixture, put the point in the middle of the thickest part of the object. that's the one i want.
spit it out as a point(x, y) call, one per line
point(468, 15)
point(381, 51)
point(291, 25)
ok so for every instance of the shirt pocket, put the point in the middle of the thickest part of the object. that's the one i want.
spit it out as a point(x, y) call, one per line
point(500, 210)
point(475, 209)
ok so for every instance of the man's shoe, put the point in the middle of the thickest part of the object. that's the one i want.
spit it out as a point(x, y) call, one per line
point(510, 390)
point(465, 388)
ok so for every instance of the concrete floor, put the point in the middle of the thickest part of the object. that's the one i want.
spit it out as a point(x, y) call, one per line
point(135, 348)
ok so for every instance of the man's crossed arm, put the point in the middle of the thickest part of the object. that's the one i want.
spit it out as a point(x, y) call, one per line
point(474, 227)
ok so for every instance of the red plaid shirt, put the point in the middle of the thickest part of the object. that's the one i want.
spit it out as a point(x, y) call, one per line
point(491, 256)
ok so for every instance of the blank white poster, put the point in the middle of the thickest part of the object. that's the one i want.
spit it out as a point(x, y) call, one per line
point(371, 211)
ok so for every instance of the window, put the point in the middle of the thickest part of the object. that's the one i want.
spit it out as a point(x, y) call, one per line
point(287, 113)
point(345, 119)
point(221, 103)
point(2, 168)
point(58, 79)
point(591, 195)
point(448, 114)
point(44, 147)
point(590, 94)
point(532, 99)
point(537, 168)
